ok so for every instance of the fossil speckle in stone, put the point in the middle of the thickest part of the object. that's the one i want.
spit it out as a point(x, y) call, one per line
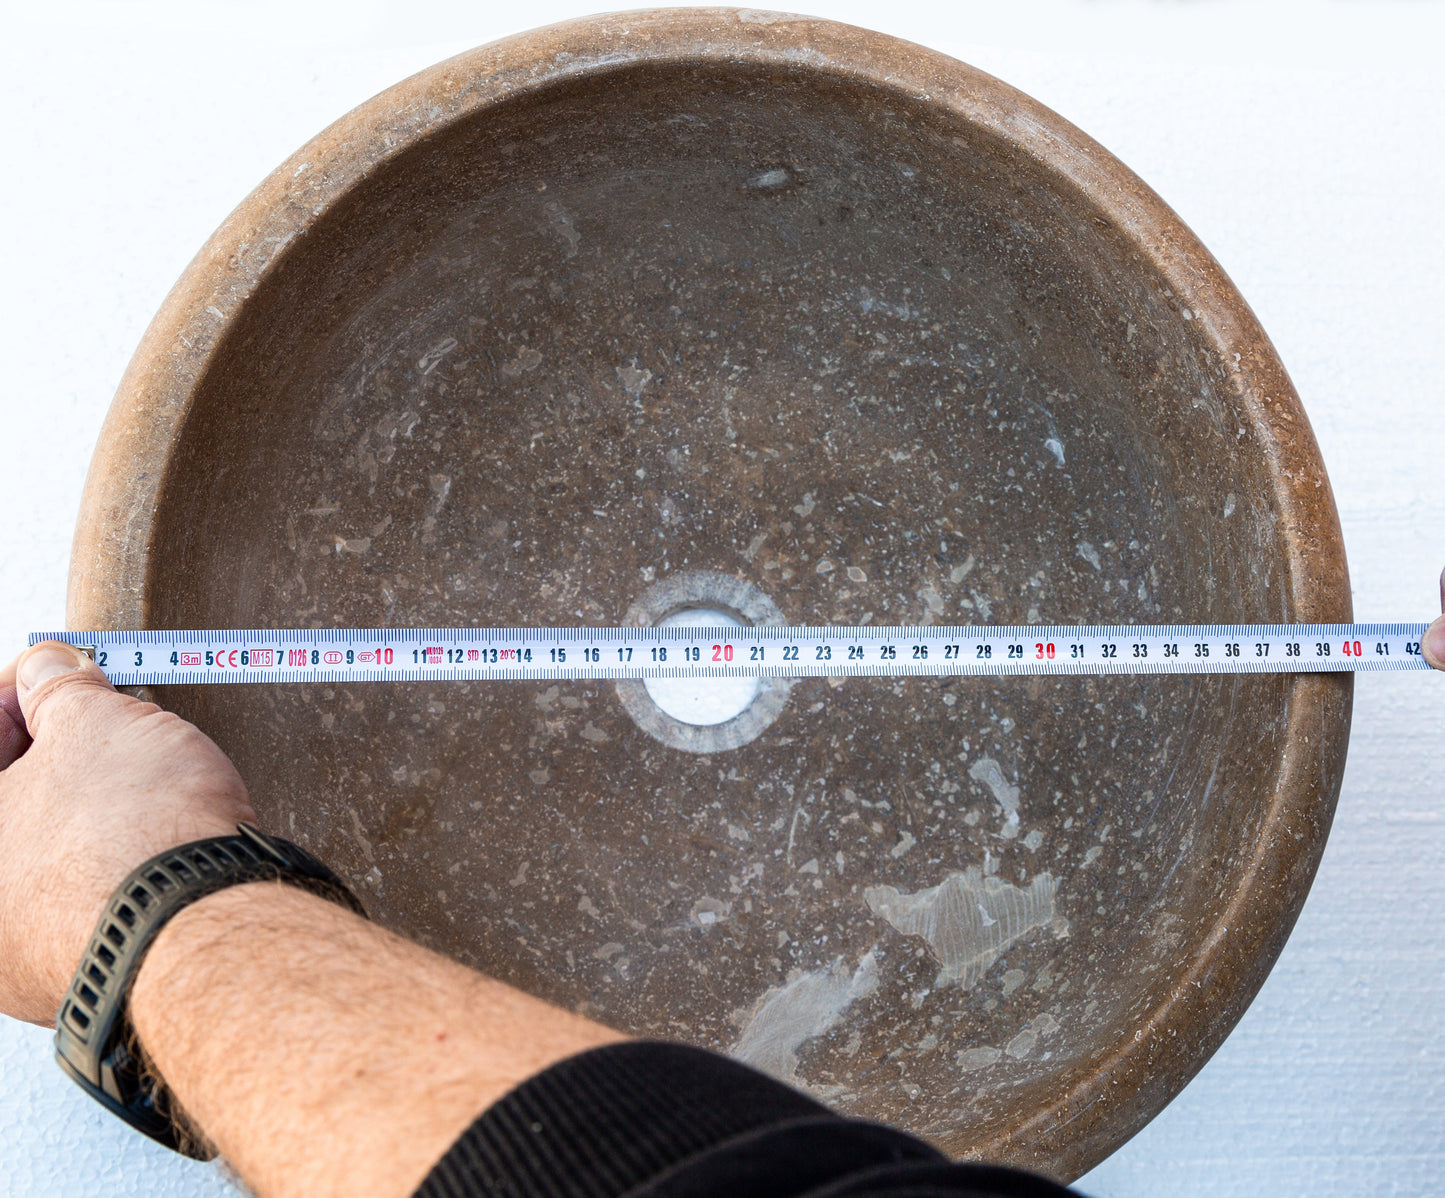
point(1005, 794)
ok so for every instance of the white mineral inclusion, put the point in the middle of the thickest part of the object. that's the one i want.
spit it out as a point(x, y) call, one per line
point(811, 1004)
point(988, 771)
point(702, 701)
point(968, 919)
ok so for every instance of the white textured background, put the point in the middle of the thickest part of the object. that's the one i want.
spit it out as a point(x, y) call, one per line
point(1304, 143)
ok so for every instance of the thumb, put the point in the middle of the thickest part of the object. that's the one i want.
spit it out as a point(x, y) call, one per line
point(1434, 643)
point(53, 674)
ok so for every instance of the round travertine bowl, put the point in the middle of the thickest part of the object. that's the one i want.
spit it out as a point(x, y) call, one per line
point(804, 324)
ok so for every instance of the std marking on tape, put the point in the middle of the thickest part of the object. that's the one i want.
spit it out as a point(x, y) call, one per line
point(158, 657)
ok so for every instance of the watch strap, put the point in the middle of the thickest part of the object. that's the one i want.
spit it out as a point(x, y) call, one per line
point(93, 1043)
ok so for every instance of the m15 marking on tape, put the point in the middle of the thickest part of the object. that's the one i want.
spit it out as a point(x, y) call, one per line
point(470, 654)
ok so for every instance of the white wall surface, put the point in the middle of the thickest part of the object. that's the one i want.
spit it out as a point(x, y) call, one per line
point(1303, 142)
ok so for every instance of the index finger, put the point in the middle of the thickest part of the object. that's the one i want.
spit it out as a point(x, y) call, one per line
point(14, 740)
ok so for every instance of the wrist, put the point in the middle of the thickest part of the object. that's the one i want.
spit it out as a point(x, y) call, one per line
point(185, 950)
point(322, 1054)
point(93, 885)
point(95, 1042)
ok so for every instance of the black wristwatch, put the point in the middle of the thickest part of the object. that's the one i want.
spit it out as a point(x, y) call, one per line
point(93, 1043)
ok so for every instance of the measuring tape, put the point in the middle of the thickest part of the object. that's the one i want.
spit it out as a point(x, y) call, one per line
point(485, 654)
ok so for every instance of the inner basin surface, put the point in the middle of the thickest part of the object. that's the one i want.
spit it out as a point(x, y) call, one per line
point(842, 347)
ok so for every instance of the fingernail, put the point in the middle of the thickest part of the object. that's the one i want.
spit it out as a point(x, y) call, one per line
point(1435, 641)
point(44, 664)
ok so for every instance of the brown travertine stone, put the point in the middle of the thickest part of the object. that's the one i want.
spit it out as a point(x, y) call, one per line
point(778, 300)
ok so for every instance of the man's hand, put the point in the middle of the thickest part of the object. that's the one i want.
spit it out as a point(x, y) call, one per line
point(92, 784)
point(319, 1053)
point(1433, 646)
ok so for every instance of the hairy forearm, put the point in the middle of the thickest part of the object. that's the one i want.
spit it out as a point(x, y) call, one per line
point(323, 1055)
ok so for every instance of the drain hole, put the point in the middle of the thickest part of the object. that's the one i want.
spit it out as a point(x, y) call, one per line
point(702, 701)
point(703, 715)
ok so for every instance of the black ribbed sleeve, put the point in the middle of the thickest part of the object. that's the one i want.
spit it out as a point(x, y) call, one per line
point(652, 1120)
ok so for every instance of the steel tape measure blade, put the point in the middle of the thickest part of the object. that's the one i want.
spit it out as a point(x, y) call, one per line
point(199, 657)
